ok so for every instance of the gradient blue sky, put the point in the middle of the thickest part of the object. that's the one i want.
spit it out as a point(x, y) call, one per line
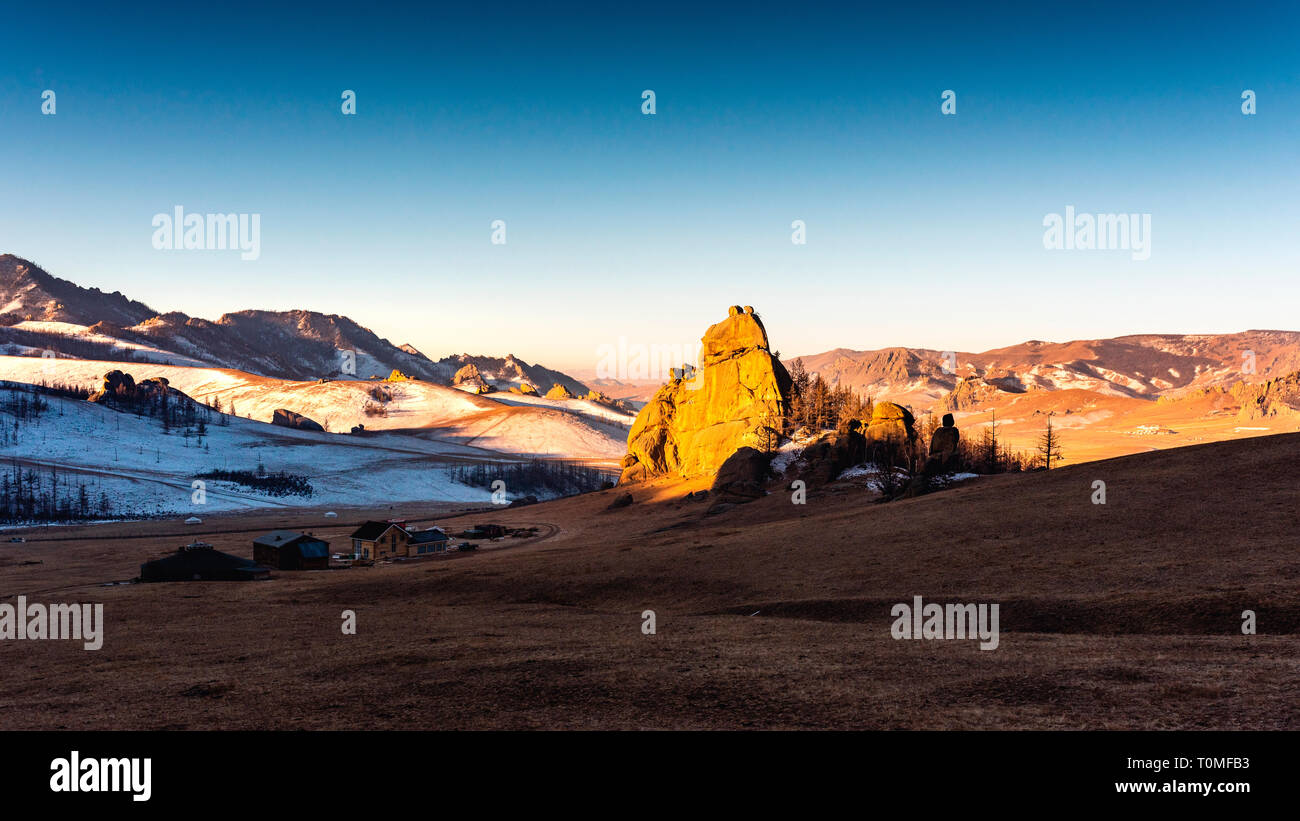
point(923, 230)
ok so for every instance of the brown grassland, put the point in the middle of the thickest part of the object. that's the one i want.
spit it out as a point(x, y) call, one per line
point(769, 615)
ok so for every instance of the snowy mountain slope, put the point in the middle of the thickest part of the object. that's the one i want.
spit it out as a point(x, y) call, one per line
point(144, 470)
point(511, 424)
point(61, 339)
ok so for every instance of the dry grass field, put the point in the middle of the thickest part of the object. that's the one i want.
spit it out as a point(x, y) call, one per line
point(770, 615)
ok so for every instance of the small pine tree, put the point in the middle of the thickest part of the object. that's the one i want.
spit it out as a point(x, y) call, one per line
point(1049, 445)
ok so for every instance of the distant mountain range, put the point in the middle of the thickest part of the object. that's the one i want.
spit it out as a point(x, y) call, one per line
point(1147, 366)
point(41, 311)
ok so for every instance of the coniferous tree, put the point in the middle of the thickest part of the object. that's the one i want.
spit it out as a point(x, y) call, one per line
point(1049, 445)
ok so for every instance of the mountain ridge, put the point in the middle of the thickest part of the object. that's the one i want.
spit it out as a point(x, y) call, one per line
point(295, 344)
point(1145, 366)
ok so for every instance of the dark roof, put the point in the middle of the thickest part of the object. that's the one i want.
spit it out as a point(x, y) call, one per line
point(433, 534)
point(200, 563)
point(280, 538)
point(370, 531)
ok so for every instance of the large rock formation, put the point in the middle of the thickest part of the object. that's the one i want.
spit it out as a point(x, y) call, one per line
point(736, 398)
point(558, 391)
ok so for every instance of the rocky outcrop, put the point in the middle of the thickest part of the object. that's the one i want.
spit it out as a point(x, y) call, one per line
point(558, 391)
point(120, 390)
point(943, 447)
point(736, 398)
point(975, 392)
point(830, 454)
point(1276, 397)
point(468, 375)
point(609, 402)
point(524, 389)
point(398, 376)
point(291, 419)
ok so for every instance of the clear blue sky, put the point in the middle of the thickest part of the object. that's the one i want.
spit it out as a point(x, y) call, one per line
point(923, 229)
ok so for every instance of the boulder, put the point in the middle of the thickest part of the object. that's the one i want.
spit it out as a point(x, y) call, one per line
point(397, 376)
point(620, 501)
point(741, 477)
point(558, 391)
point(943, 448)
point(735, 399)
point(291, 419)
point(890, 422)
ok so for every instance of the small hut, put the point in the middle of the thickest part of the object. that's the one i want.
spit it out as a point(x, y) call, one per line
point(289, 550)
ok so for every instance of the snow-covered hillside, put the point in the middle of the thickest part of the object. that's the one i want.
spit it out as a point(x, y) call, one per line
point(509, 424)
point(143, 470)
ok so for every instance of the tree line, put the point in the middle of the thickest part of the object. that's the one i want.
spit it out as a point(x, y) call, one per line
point(536, 476)
point(33, 495)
